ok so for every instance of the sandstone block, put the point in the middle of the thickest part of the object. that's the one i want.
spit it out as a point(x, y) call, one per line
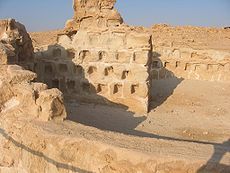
point(18, 75)
point(134, 90)
point(141, 57)
point(115, 41)
point(65, 41)
point(124, 56)
point(116, 90)
point(118, 70)
point(138, 73)
point(51, 105)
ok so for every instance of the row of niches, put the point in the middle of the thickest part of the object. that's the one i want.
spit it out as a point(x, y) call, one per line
point(58, 68)
point(94, 72)
point(139, 57)
point(189, 54)
point(200, 71)
point(85, 56)
point(110, 40)
point(55, 52)
point(187, 66)
point(116, 72)
point(84, 87)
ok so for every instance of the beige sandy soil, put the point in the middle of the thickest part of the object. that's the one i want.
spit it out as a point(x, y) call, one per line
point(195, 111)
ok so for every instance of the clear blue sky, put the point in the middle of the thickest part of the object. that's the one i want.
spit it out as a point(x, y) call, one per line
point(40, 15)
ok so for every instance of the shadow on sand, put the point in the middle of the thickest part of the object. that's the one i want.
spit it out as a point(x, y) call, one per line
point(214, 164)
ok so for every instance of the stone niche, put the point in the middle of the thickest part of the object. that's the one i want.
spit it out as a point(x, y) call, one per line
point(103, 61)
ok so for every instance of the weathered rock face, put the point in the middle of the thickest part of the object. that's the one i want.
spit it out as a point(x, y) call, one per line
point(14, 36)
point(16, 89)
point(34, 99)
point(103, 62)
point(94, 13)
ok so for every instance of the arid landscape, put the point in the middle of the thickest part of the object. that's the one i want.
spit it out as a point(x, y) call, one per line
point(102, 96)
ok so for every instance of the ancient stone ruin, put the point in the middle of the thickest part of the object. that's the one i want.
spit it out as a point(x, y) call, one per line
point(99, 59)
point(17, 87)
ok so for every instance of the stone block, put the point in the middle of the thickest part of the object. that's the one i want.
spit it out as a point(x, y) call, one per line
point(138, 73)
point(213, 67)
point(190, 67)
point(51, 105)
point(65, 41)
point(186, 55)
point(94, 39)
point(133, 90)
point(116, 90)
point(201, 68)
point(118, 70)
point(18, 75)
point(176, 54)
point(124, 56)
point(141, 57)
point(138, 40)
point(116, 41)
point(7, 54)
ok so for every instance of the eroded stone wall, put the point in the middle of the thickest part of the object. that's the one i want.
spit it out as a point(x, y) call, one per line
point(99, 59)
point(101, 63)
point(16, 44)
point(191, 53)
point(94, 14)
point(17, 91)
point(109, 67)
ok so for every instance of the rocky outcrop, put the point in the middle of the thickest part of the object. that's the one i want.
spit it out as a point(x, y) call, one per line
point(17, 91)
point(103, 61)
point(14, 37)
point(94, 13)
point(34, 99)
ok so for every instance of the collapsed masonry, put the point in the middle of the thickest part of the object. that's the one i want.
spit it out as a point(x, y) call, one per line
point(17, 91)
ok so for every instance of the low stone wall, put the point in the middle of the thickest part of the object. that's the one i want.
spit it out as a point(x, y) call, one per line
point(50, 147)
point(191, 53)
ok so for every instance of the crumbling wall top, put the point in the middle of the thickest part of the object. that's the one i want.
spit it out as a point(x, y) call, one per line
point(13, 34)
point(94, 13)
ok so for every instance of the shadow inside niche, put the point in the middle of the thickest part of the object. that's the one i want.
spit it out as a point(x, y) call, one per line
point(163, 81)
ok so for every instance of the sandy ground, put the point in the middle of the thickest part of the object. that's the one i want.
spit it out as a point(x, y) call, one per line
point(194, 111)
